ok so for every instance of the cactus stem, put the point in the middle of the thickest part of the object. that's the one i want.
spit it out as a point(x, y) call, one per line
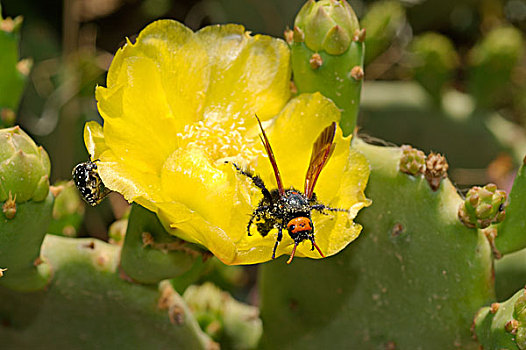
point(315, 61)
point(9, 207)
point(494, 308)
point(298, 35)
point(436, 170)
point(359, 35)
point(357, 73)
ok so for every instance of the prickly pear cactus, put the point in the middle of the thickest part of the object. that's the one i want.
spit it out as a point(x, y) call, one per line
point(492, 62)
point(14, 71)
point(327, 55)
point(26, 210)
point(434, 61)
point(68, 210)
point(167, 256)
point(231, 323)
point(384, 21)
point(503, 325)
point(88, 305)
point(413, 280)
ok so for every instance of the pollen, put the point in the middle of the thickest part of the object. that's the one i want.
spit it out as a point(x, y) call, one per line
point(221, 141)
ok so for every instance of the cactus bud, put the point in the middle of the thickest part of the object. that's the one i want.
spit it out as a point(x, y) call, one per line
point(412, 161)
point(24, 167)
point(483, 206)
point(436, 170)
point(328, 25)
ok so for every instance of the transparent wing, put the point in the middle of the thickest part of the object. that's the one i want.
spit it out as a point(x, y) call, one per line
point(271, 157)
point(321, 152)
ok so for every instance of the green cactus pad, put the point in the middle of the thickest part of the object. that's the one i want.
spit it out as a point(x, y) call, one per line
point(88, 306)
point(433, 61)
point(511, 237)
point(150, 254)
point(503, 325)
point(20, 241)
point(413, 279)
point(233, 324)
point(68, 211)
point(383, 22)
point(14, 72)
point(492, 62)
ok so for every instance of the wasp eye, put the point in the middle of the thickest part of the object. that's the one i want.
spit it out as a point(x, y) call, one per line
point(292, 227)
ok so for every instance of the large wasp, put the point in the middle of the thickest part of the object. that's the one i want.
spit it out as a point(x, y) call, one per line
point(291, 209)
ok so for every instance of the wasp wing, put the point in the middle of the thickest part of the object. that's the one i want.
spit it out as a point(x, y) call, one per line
point(271, 157)
point(321, 151)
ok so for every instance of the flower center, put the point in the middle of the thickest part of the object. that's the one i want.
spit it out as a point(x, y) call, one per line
point(222, 141)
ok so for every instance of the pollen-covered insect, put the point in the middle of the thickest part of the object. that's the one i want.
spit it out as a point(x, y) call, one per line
point(291, 209)
point(89, 184)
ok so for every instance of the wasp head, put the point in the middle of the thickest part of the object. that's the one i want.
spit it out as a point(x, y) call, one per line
point(300, 229)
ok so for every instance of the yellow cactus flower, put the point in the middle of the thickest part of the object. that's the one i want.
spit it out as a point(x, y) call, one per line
point(179, 104)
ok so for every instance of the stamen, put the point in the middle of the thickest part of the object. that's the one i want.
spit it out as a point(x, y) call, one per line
point(221, 140)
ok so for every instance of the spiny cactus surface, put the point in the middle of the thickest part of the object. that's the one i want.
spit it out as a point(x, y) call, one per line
point(14, 71)
point(88, 306)
point(413, 280)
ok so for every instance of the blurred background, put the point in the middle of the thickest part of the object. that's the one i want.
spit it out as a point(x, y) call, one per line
point(443, 75)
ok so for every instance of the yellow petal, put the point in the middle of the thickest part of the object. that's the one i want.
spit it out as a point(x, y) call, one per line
point(188, 177)
point(255, 70)
point(94, 139)
point(192, 227)
point(293, 134)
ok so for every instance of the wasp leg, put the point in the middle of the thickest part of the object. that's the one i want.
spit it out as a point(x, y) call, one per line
point(280, 236)
point(256, 214)
point(256, 180)
point(322, 208)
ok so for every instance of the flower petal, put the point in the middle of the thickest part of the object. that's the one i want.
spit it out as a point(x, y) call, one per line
point(248, 74)
point(94, 139)
point(293, 134)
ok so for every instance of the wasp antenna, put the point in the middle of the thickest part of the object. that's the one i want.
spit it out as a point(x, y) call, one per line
point(317, 248)
point(292, 254)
